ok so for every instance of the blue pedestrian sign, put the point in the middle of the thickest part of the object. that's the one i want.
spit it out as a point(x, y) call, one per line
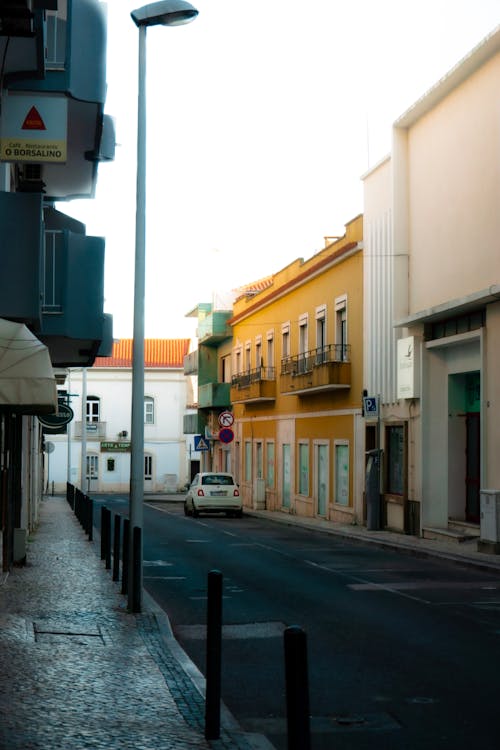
point(370, 406)
point(200, 444)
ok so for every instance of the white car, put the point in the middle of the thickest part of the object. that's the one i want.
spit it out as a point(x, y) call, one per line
point(213, 492)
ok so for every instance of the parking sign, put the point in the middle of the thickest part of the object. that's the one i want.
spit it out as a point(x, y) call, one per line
point(370, 406)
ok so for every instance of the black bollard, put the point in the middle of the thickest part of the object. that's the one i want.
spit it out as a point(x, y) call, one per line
point(116, 548)
point(106, 536)
point(136, 569)
point(125, 555)
point(213, 656)
point(297, 689)
point(90, 518)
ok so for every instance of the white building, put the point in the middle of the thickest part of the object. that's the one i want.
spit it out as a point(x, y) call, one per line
point(100, 397)
point(432, 301)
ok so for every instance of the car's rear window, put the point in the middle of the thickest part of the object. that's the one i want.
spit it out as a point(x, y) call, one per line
point(217, 479)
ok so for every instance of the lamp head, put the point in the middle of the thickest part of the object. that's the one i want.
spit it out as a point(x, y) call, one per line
point(165, 13)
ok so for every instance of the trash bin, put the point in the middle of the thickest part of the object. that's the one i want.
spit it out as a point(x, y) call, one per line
point(372, 490)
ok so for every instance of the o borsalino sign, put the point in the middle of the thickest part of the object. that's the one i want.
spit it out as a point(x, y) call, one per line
point(115, 447)
point(33, 128)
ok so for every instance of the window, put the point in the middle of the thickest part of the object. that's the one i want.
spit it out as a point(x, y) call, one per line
point(285, 340)
point(237, 362)
point(342, 473)
point(93, 409)
point(303, 468)
point(148, 467)
point(320, 334)
point(248, 356)
point(303, 345)
point(248, 461)
point(258, 461)
point(341, 329)
point(225, 369)
point(270, 349)
point(270, 464)
point(258, 352)
point(149, 410)
point(92, 466)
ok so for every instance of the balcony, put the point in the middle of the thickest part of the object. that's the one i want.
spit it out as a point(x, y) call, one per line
point(214, 395)
point(214, 328)
point(325, 369)
point(254, 386)
point(93, 430)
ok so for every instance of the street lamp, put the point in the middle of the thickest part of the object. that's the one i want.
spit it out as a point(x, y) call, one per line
point(166, 13)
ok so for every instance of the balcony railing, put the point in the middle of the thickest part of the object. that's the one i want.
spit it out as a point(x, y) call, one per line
point(325, 368)
point(243, 379)
point(306, 361)
point(254, 385)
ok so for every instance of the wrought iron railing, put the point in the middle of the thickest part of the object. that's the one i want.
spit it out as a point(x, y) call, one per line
point(306, 361)
point(244, 379)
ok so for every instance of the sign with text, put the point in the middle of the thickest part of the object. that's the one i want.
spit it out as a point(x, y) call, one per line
point(115, 447)
point(33, 128)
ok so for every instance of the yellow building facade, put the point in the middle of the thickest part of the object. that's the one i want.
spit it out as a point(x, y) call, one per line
point(297, 382)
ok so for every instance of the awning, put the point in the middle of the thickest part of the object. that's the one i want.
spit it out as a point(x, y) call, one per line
point(27, 382)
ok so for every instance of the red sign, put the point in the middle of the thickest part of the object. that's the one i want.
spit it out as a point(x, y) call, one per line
point(226, 435)
point(33, 121)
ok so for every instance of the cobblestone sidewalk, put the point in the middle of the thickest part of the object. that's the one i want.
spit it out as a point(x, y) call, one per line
point(76, 670)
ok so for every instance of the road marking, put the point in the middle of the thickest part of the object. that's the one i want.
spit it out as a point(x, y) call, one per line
point(164, 578)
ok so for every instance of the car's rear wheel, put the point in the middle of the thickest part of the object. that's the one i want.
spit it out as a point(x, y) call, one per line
point(186, 509)
point(195, 512)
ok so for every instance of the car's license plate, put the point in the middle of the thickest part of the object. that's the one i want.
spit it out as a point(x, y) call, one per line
point(218, 493)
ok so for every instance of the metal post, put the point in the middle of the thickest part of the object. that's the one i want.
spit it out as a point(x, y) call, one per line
point(213, 660)
point(297, 689)
point(137, 427)
point(135, 588)
point(83, 459)
point(125, 554)
point(116, 547)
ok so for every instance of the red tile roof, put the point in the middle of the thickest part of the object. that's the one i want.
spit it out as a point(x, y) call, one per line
point(157, 353)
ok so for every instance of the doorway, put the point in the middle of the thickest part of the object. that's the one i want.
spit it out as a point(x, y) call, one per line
point(473, 467)
point(92, 472)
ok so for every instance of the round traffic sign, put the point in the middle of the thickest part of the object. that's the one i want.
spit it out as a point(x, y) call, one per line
point(226, 435)
point(226, 419)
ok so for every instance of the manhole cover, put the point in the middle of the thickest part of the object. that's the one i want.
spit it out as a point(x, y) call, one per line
point(54, 633)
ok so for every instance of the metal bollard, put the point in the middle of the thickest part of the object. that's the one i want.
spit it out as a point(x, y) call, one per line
point(116, 548)
point(297, 689)
point(125, 555)
point(136, 569)
point(106, 536)
point(90, 518)
point(213, 660)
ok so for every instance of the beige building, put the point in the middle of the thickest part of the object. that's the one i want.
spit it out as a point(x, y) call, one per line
point(432, 300)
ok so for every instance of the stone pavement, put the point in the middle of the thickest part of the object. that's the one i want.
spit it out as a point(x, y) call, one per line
point(78, 672)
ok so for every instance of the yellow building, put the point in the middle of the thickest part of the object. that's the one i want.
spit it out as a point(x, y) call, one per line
point(296, 388)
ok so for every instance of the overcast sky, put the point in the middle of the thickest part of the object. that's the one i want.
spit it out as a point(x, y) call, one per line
point(262, 117)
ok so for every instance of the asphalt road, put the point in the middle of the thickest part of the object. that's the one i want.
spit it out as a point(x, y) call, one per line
point(402, 652)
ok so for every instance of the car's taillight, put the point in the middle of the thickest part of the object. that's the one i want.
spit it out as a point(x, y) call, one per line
point(236, 493)
point(201, 493)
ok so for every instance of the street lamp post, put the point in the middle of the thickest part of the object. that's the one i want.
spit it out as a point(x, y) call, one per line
point(166, 13)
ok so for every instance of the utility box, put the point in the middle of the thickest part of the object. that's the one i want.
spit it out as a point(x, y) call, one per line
point(489, 540)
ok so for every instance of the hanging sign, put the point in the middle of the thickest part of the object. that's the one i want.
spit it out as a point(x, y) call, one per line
point(33, 128)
